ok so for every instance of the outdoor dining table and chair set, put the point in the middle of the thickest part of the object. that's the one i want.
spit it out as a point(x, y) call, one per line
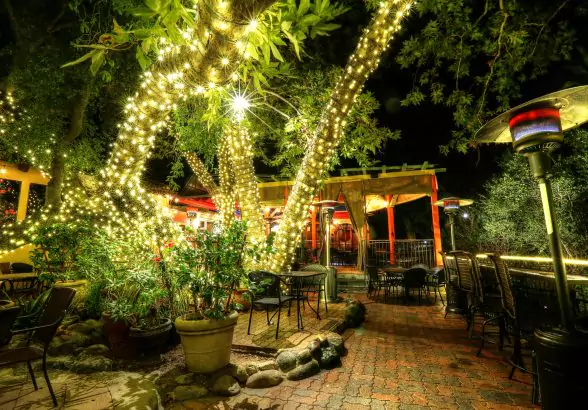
point(517, 301)
point(418, 279)
point(275, 290)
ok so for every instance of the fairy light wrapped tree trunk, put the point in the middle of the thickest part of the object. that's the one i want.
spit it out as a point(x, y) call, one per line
point(241, 147)
point(327, 136)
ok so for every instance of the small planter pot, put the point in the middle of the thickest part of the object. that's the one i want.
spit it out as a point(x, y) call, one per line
point(4, 304)
point(121, 344)
point(151, 341)
point(241, 298)
point(207, 343)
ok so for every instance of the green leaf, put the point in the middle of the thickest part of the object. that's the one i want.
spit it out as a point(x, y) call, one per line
point(141, 33)
point(143, 12)
point(265, 48)
point(294, 42)
point(97, 61)
point(309, 20)
point(303, 7)
point(276, 52)
point(83, 58)
point(143, 60)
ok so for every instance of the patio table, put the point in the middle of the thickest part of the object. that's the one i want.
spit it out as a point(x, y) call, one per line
point(21, 283)
point(297, 279)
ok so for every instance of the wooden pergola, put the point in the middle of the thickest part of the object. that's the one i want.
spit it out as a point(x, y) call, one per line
point(26, 176)
point(386, 186)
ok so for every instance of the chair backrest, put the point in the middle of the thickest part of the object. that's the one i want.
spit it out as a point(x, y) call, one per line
point(53, 313)
point(266, 284)
point(504, 284)
point(7, 319)
point(467, 271)
point(450, 265)
point(439, 273)
point(372, 272)
point(4, 267)
point(19, 267)
point(414, 277)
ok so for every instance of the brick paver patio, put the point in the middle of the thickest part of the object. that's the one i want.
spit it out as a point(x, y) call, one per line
point(405, 357)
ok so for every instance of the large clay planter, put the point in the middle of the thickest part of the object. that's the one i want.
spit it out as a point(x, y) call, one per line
point(207, 343)
point(241, 297)
point(121, 344)
point(150, 342)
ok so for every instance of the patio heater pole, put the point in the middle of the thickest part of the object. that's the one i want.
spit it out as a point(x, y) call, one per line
point(452, 228)
point(328, 215)
point(540, 166)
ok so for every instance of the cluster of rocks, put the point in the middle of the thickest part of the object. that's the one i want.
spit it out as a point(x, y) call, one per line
point(79, 346)
point(322, 352)
point(354, 315)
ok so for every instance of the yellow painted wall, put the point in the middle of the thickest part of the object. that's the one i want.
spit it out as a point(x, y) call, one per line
point(18, 255)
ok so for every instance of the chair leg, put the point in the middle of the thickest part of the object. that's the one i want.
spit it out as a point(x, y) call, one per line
point(440, 297)
point(482, 339)
point(325, 296)
point(267, 314)
point(32, 375)
point(250, 316)
point(278, 325)
point(48, 381)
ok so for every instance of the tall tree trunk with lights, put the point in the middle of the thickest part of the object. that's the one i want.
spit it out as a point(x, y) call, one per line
point(325, 140)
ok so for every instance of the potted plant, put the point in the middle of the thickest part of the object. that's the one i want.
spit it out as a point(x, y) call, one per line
point(210, 269)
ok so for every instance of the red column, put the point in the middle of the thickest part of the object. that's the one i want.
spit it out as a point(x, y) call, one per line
point(391, 229)
point(436, 224)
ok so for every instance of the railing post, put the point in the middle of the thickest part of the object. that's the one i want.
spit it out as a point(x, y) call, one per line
point(436, 225)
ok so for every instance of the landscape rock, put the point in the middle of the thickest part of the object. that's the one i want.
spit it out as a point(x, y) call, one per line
point(80, 327)
point(329, 358)
point(265, 378)
point(267, 365)
point(336, 341)
point(58, 362)
point(185, 378)
point(94, 324)
point(303, 356)
point(96, 350)
point(191, 392)
point(239, 372)
point(314, 348)
point(226, 386)
point(286, 360)
point(304, 370)
point(251, 369)
point(92, 364)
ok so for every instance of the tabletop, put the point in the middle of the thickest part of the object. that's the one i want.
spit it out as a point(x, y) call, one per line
point(394, 269)
point(572, 279)
point(300, 274)
point(17, 276)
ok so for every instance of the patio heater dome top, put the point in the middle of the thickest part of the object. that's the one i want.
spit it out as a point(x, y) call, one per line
point(453, 201)
point(572, 104)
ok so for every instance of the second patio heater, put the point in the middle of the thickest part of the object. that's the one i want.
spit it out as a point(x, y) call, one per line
point(327, 209)
point(451, 207)
point(535, 129)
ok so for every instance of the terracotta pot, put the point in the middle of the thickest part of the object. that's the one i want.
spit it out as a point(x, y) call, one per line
point(151, 341)
point(117, 333)
point(207, 343)
point(240, 297)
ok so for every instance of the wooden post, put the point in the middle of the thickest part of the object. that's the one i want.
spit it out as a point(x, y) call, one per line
point(436, 225)
point(391, 228)
point(23, 200)
point(267, 221)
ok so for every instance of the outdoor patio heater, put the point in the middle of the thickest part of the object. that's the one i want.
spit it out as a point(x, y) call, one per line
point(536, 129)
point(327, 209)
point(451, 207)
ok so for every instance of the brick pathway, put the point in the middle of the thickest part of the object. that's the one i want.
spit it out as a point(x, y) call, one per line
point(405, 357)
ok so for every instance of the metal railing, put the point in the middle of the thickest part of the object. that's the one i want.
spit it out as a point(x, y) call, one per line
point(407, 252)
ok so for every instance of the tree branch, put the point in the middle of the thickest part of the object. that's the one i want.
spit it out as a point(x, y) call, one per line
point(561, 6)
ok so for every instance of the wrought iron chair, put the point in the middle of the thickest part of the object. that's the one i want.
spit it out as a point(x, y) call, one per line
point(7, 318)
point(375, 283)
point(268, 293)
point(414, 278)
point(436, 280)
point(316, 284)
point(519, 327)
point(456, 300)
point(38, 338)
point(467, 283)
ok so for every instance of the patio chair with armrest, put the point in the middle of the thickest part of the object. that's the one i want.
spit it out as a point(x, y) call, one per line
point(436, 280)
point(519, 326)
point(7, 318)
point(414, 278)
point(316, 284)
point(268, 294)
point(38, 338)
point(466, 266)
point(375, 283)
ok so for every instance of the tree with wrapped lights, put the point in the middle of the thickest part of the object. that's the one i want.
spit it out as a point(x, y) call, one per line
point(202, 59)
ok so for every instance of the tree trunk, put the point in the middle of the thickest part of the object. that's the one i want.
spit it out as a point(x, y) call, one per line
point(76, 125)
point(247, 191)
point(327, 136)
